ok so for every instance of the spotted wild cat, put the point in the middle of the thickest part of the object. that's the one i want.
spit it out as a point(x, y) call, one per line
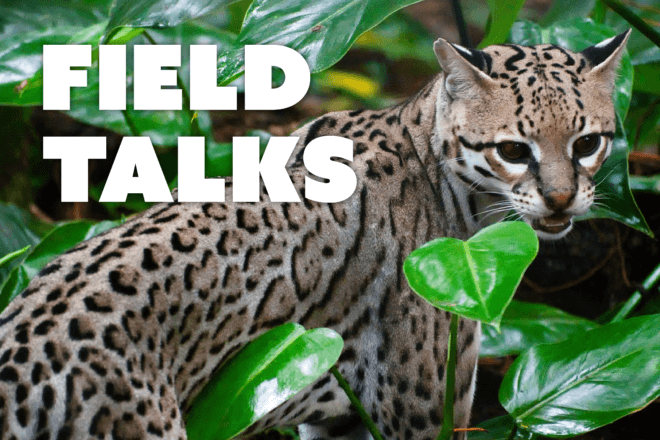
point(113, 339)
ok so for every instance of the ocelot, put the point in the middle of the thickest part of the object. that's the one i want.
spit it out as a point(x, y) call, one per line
point(115, 338)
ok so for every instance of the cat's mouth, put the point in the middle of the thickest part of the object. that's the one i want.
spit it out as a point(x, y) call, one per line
point(553, 224)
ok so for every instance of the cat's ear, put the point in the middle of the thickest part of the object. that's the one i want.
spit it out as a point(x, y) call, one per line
point(604, 58)
point(466, 71)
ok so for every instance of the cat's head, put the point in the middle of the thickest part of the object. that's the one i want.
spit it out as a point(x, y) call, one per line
point(533, 124)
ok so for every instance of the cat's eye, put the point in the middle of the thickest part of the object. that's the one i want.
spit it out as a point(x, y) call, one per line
point(586, 145)
point(513, 151)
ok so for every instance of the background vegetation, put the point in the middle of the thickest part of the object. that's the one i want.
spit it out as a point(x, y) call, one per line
point(603, 272)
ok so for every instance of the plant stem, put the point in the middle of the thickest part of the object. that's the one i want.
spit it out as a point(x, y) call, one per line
point(131, 126)
point(636, 21)
point(447, 430)
point(513, 432)
point(194, 123)
point(366, 419)
point(464, 37)
point(636, 297)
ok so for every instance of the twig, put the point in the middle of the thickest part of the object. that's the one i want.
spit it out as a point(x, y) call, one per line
point(185, 96)
point(572, 283)
point(642, 157)
point(634, 20)
point(622, 256)
point(463, 34)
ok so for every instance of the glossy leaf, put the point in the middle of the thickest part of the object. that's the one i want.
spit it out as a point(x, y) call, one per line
point(15, 233)
point(218, 160)
point(613, 180)
point(15, 284)
point(264, 374)
point(499, 428)
point(586, 381)
point(525, 325)
point(614, 189)
point(322, 32)
point(502, 16)
point(4, 261)
point(29, 24)
point(162, 127)
point(54, 243)
point(159, 13)
point(474, 278)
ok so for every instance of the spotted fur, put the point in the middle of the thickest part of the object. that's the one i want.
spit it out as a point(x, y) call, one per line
point(113, 339)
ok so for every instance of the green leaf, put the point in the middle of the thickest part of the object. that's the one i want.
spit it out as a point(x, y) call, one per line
point(502, 16)
point(647, 79)
point(642, 50)
point(162, 127)
point(21, 58)
point(500, 428)
point(566, 9)
point(612, 179)
point(400, 37)
point(54, 243)
point(525, 325)
point(586, 381)
point(613, 188)
point(159, 13)
point(4, 261)
point(646, 183)
point(322, 32)
point(264, 374)
point(15, 284)
point(25, 27)
point(477, 278)
point(16, 232)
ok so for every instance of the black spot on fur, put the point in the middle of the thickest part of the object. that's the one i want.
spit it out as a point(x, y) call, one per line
point(115, 283)
point(76, 333)
point(51, 268)
point(8, 374)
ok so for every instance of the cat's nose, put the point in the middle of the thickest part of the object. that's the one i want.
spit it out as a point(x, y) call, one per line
point(558, 199)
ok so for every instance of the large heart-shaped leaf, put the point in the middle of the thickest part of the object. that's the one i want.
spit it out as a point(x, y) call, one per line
point(264, 374)
point(474, 278)
point(321, 31)
point(586, 381)
point(162, 127)
point(26, 26)
point(525, 325)
point(612, 179)
point(159, 13)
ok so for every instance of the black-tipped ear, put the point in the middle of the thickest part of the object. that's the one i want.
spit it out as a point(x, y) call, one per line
point(606, 49)
point(604, 59)
point(480, 60)
point(466, 71)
